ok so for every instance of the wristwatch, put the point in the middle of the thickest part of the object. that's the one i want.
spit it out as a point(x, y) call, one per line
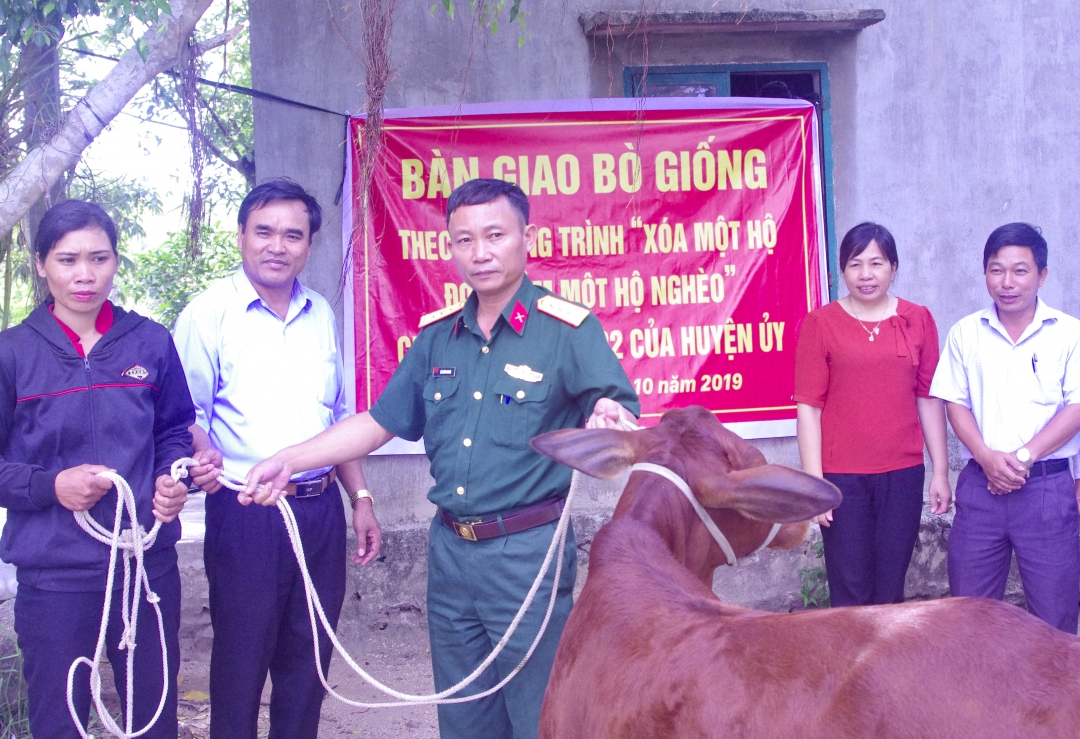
point(1024, 456)
point(353, 497)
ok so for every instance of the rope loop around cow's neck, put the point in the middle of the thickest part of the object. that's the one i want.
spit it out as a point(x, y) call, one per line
point(714, 530)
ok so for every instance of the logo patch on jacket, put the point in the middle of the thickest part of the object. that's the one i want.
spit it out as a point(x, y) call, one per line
point(136, 372)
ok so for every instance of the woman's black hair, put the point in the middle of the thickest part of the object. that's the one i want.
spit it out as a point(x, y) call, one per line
point(858, 238)
point(68, 216)
point(1016, 234)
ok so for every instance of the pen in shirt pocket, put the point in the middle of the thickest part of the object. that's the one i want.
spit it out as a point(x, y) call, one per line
point(1034, 361)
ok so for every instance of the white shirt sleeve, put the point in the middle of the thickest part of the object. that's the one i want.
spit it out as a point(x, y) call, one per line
point(951, 377)
point(1070, 381)
point(197, 346)
point(341, 403)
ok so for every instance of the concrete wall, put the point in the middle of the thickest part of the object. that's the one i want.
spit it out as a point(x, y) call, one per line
point(948, 119)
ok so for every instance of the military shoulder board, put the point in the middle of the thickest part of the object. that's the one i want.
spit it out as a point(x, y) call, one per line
point(429, 318)
point(563, 310)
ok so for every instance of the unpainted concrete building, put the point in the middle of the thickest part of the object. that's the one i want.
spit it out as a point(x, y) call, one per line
point(942, 121)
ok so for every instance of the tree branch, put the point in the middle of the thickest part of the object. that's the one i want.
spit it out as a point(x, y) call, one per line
point(45, 164)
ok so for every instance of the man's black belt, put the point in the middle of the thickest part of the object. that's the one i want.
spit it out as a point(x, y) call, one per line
point(501, 524)
point(1040, 468)
point(311, 488)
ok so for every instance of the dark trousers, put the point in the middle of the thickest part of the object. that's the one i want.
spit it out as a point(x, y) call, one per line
point(1039, 523)
point(55, 628)
point(260, 616)
point(873, 533)
point(475, 588)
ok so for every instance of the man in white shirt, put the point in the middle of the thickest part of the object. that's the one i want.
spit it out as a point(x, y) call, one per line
point(1010, 376)
point(264, 368)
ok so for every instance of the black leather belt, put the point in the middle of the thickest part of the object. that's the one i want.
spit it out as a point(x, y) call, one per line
point(1048, 467)
point(311, 488)
point(501, 524)
point(1040, 468)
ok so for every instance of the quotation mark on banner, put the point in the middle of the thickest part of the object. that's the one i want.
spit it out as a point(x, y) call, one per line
point(635, 222)
point(729, 270)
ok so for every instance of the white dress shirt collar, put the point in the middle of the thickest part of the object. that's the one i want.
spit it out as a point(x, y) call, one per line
point(249, 296)
point(1043, 314)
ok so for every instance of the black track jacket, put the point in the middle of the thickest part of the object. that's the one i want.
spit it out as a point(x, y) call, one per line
point(125, 406)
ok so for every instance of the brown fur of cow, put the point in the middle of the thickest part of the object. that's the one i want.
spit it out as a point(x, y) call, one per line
point(650, 652)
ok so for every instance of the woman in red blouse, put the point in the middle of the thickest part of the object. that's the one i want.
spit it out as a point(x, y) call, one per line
point(863, 366)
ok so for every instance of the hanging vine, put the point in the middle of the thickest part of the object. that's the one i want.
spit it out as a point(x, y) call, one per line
point(192, 114)
point(378, 22)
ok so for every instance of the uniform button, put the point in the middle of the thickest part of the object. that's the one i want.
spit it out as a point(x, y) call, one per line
point(484, 349)
point(478, 395)
point(438, 396)
point(461, 491)
point(467, 442)
point(520, 394)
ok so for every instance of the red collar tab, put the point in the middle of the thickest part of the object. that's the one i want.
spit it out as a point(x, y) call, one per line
point(518, 316)
point(102, 323)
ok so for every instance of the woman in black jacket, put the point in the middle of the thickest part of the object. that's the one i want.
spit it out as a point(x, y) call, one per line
point(86, 386)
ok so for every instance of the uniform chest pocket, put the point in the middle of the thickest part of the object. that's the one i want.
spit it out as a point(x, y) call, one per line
point(439, 403)
point(520, 413)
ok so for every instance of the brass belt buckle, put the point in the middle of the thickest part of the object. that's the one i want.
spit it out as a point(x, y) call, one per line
point(464, 529)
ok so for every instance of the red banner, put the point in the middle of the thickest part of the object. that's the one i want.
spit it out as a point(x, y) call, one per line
point(691, 228)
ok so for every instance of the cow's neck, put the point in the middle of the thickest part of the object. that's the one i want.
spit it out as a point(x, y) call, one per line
point(658, 506)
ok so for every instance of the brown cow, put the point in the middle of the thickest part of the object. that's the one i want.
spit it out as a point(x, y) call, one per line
point(649, 651)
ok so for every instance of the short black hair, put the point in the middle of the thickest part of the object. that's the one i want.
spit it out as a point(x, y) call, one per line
point(1016, 234)
point(481, 191)
point(280, 188)
point(858, 238)
point(68, 216)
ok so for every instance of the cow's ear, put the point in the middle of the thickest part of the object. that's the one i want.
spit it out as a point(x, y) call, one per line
point(603, 453)
point(770, 492)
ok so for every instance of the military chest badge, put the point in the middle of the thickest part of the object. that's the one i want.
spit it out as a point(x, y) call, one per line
point(136, 372)
point(523, 372)
point(443, 371)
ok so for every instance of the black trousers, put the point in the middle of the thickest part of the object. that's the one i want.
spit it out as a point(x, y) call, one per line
point(55, 628)
point(260, 616)
point(873, 533)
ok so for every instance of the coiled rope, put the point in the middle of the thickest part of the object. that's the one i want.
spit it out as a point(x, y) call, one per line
point(133, 542)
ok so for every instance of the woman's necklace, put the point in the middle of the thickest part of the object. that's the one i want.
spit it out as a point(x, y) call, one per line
point(869, 332)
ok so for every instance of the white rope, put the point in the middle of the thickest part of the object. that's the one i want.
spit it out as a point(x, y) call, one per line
point(557, 549)
point(317, 614)
point(133, 542)
point(706, 519)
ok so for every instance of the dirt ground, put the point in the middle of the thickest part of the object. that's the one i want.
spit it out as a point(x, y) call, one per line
point(399, 659)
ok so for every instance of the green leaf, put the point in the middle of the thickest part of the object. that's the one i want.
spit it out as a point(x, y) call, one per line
point(494, 27)
point(47, 9)
point(143, 48)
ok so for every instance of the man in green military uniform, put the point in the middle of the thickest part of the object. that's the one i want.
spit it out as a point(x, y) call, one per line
point(481, 379)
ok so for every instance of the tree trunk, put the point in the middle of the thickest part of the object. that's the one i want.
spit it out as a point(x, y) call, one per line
point(42, 64)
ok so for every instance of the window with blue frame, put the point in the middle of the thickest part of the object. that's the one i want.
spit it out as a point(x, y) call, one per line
point(805, 80)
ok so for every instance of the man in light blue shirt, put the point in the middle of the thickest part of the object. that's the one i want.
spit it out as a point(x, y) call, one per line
point(265, 371)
